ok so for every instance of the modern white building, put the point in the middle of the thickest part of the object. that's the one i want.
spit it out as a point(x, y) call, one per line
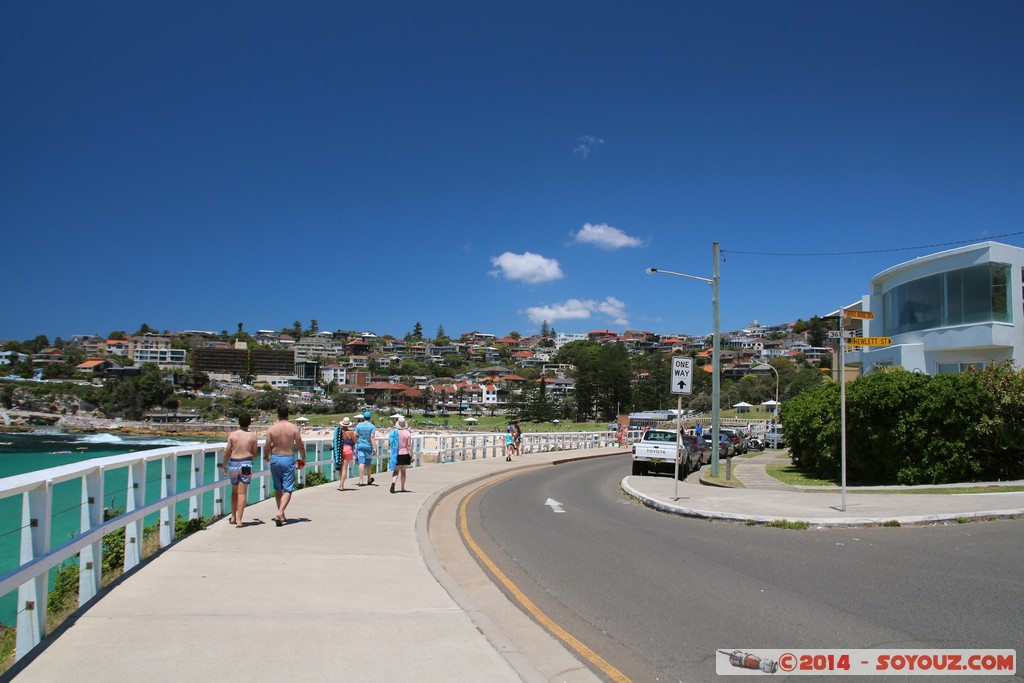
point(947, 311)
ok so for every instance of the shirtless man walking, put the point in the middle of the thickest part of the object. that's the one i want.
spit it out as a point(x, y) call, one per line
point(238, 458)
point(282, 439)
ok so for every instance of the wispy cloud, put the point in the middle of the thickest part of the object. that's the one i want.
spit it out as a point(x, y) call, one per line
point(580, 309)
point(606, 237)
point(526, 267)
point(587, 144)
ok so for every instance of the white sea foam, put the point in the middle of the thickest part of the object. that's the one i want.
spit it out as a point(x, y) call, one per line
point(115, 439)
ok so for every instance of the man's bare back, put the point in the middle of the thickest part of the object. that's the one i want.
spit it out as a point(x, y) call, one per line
point(241, 444)
point(283, 438)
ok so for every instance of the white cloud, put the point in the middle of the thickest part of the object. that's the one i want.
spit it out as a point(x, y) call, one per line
point(580, 309)
point(587, 144)
point(530, 268)
point(606, 236)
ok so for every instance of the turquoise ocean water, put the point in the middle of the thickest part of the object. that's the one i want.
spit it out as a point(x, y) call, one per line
point(20, 453)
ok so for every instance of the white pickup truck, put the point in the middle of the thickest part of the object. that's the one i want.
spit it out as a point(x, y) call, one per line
point(656, 450)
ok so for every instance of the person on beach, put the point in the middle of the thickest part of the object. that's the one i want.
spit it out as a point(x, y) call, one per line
point(239, 454)
point(401, 439)
point(365, 431)
point(344, 450)
point(283, 438)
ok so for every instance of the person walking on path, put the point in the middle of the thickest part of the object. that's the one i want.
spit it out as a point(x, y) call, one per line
point(239, 454)
point(344, 450)
point(402, 448)
point(517, 438)
point(510, 444)
point(365, 431)
point(283, 438)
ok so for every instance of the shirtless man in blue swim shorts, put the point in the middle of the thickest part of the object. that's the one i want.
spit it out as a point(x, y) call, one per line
point(282, 439)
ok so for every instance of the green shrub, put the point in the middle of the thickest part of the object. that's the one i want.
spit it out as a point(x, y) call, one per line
point(909, 428)
point(316, 478)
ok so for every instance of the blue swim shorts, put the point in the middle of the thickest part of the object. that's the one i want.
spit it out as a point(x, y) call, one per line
point(235, 472)
point(282, 471)
point(364, 457)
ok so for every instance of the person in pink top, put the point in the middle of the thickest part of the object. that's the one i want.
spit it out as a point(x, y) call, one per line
point(404, 453)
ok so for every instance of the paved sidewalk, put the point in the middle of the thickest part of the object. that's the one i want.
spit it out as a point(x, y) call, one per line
point(751, 471)
point(358, 587)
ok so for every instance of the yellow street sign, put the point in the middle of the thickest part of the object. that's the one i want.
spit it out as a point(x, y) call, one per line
point(861, 315)
point(871, 341)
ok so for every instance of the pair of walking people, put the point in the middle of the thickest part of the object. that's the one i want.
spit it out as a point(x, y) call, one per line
point(282, 442)
point(354, 443)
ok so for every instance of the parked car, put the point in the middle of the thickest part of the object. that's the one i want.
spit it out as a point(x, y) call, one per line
point(700, 448)
point(726, 447)
point(656, 450)
point(773, 438)
point(738, 439)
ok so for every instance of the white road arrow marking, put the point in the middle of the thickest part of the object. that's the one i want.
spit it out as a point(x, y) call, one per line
point(555, 505)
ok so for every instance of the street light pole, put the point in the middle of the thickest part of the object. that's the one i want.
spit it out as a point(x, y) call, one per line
point(716, 357)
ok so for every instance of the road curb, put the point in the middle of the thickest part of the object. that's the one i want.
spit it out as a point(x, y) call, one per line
point(818, 522)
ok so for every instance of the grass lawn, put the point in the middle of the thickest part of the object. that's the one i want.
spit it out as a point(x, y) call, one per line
point(790, 474)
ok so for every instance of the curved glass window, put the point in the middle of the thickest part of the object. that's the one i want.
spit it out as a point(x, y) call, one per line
point(977, 294)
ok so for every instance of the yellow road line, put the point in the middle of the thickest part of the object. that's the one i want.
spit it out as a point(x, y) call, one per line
point(528, 604)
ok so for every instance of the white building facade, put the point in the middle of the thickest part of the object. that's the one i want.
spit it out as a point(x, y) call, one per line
point(947, 311)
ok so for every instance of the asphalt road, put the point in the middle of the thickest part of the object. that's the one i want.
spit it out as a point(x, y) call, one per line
point(656, 595)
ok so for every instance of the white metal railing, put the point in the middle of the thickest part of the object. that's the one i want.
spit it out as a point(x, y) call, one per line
point(31, 578)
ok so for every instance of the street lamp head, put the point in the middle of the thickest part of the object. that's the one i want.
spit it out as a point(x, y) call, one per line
point(651, 271)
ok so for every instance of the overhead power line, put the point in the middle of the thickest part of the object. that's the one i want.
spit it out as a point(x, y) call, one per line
point(867, 251)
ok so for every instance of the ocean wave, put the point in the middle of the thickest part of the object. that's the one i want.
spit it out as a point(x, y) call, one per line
point(118, 440)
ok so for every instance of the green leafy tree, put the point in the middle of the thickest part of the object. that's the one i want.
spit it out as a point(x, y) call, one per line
point(428, 399)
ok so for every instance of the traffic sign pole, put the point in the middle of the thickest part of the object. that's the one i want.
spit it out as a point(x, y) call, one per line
point(842, 406)
point(682, 383)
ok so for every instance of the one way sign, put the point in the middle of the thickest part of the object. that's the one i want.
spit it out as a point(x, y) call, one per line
point(682, 375)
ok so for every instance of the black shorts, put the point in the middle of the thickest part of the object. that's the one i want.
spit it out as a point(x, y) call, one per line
point(405, 459)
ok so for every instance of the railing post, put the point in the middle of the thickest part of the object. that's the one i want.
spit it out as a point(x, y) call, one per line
point(168, 486)
point(220, 492)
point(90, 559)
point(264, 481)
point(135, 498)
point(35, 542)
point(195, 476)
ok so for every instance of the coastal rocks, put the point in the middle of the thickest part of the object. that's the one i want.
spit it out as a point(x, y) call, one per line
point(24, 418)
point(36, 403)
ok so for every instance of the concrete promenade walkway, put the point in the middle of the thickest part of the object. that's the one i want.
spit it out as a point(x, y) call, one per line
point(363, 585)
point(347, 590)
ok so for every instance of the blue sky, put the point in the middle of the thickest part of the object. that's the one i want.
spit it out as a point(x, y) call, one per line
point(486, 166)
